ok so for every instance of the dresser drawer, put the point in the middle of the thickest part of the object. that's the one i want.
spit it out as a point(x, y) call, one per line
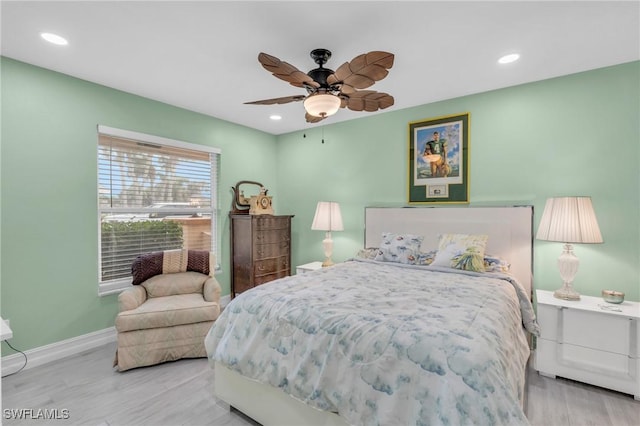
point(270, 277)
point(264, 251)
point(272, 236)
point(270, 222)
point(268, 266)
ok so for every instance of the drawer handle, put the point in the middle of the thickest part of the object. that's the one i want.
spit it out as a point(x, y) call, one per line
point(260, 268)
point(260, 252)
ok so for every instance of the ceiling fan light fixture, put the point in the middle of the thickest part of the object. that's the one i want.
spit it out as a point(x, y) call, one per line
point(322, 104)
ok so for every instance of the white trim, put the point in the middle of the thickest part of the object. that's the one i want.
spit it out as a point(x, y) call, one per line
point(58, 350)
point(114, 286)
point(128, 134)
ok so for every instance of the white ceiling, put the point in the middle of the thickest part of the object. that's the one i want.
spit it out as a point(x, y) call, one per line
point(202, 55)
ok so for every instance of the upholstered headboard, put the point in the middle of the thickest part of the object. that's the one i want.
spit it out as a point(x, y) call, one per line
point(510, 230)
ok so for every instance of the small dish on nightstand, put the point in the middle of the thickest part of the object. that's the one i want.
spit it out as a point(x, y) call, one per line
point(613, 296)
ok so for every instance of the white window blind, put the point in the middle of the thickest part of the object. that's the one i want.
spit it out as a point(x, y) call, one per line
point(154, 194)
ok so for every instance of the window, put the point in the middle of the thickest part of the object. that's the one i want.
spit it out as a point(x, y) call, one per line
point(153, 194)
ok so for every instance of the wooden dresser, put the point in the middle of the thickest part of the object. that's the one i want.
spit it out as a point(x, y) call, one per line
point(260, 250)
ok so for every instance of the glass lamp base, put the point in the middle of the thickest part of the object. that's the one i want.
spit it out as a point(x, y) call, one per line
point(566, 293)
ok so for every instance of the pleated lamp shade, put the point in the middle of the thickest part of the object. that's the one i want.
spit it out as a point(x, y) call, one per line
point(569, 220)
point(327, 217)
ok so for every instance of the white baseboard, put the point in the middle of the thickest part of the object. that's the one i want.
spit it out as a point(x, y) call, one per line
point(58, 350)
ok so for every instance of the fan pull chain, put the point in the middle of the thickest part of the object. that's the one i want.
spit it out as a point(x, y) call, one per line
point(304, 135)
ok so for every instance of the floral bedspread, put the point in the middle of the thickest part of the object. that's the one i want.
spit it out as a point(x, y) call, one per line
point(385, 343)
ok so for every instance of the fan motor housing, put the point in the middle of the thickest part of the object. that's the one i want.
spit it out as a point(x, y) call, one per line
point(320, 75)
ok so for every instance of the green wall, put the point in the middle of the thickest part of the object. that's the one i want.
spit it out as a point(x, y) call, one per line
point(574, 135)
point(49, 201)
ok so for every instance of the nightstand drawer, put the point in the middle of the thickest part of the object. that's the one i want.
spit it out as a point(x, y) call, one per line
point(594, 360)
point(604, 332)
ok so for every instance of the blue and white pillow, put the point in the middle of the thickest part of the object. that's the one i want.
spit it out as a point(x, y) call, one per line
point(495, 264)
point(399, 248)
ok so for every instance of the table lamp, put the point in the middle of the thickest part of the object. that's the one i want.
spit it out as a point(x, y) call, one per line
point(327, 218)
point(569, 220)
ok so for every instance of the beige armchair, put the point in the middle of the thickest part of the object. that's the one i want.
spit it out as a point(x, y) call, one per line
point(165, 318)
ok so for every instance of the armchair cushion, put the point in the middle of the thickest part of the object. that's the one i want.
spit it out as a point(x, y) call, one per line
point(172, 284)
point(168, 311)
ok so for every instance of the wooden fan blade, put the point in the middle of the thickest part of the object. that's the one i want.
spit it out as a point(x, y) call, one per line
point(285, 71)
point(312, 118)
point(362, 71)
point(369, 100)
point(283, 100)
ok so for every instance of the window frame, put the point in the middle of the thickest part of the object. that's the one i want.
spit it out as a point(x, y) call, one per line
point(117, 285)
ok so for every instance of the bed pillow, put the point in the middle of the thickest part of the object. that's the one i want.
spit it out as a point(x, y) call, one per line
point(426, 258)
point(495, 264)
point(491, 263)
point(368, 253)
point(399, 248)
point(148, 265)
point(461, 251)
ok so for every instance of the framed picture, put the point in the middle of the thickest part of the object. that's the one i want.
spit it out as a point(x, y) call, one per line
point(439, 160)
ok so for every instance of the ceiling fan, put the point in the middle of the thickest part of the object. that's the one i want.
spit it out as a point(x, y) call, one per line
point(328, 91)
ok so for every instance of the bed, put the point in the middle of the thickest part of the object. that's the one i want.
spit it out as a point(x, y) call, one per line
point(394, 336)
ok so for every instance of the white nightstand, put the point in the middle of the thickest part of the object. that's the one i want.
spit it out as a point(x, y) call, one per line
point(308, 267)
point(591, 341)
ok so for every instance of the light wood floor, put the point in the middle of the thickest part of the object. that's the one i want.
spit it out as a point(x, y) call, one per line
point(181, 393)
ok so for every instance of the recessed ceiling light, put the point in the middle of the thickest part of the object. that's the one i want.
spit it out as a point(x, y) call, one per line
point(507, 59)
point(54, 38)
point(275, 117)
